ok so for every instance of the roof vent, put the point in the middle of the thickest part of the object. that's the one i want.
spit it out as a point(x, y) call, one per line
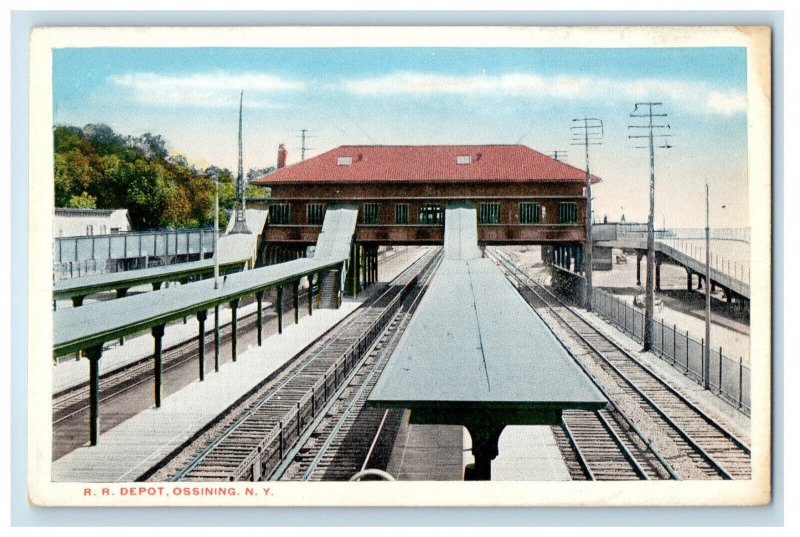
point(463, 159)
point(344, 161)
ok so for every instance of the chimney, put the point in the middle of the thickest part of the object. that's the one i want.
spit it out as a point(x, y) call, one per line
point(281, 156)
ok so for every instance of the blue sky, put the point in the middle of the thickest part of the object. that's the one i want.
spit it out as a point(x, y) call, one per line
point(435, 96)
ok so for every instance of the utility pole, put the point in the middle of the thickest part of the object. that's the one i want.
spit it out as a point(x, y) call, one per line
point(556, 153)
point(216, 231)
point(303, 148)
point(589, 131)
point(651, 257)
point(240, 224)
point(707, 368)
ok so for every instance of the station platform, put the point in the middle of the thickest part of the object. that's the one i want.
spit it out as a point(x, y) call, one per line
point(133, 447)
point(441, 452)
point(70, 373)
point(475, 354)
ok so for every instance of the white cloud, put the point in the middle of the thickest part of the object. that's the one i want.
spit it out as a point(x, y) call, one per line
point(727, 102)
point(215, 89)
point(697, 94)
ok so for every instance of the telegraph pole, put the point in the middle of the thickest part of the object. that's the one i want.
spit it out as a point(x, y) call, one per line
point(240, 224)
point(303, 148)
point(589, 131)
point(556, 153)
point(707, 368)
point(651, 257)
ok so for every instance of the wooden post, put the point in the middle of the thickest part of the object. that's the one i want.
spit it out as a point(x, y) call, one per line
point(318, 294)
point(741, 372)
point(279, 308)
point(158, 334)
point(216, 338)
point(234, 335)
point(687, 351)
point(308, 295)
point(94, 354)
point(704, 362)
point(201, 341)
point(259, 299)
point(296, 299)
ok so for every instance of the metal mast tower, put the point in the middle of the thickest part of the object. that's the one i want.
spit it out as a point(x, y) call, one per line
point(651, 257)
point(303, 137)
point(588, 131)
point(556, 153)
point(240, 225)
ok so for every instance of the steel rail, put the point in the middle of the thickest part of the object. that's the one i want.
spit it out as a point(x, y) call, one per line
point(378, 364)
point(715, 465)
point(118, 380)
point(621, 445)
point(374, 331)
point(297, 369)
point(731, 436)
point(645, 439)
point(578, 451)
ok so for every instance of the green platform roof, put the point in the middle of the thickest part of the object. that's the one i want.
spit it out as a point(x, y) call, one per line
point(475, 343)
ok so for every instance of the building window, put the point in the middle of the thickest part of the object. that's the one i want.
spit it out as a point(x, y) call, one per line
point(344, 161)
point(431, 215)
point(489, 213)
point(103, 229)
point(370, 213)
point(89, 230)
point(114, 230)
point(530, 213)
point(463, 159)
point(315, 214)
point(401, 213)
point(280, 213)
point(568, 212)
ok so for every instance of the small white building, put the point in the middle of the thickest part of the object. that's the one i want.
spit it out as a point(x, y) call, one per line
point(88, 222)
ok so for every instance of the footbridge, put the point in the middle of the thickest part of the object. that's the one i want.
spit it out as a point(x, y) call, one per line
point(236, 252)
point(732, 275)
point(89, 327)
point(475, 354)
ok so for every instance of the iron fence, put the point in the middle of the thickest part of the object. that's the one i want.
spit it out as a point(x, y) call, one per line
point(728, 378)
point(132, 245)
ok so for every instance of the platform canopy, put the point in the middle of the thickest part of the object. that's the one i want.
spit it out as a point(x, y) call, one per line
point(476, 354)
point(80, 328)
point(474, 343)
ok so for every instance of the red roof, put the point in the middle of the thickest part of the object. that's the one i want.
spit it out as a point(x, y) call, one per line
point(426, 163)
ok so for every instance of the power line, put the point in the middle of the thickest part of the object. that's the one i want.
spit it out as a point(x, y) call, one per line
point(654, 135)
point(588, 131)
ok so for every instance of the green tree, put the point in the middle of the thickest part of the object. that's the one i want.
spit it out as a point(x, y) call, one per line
point(84, 201)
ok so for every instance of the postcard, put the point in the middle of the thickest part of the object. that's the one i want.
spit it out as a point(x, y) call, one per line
point(400, 266)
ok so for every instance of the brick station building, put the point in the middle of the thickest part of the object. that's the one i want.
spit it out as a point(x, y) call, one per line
point(522, 196)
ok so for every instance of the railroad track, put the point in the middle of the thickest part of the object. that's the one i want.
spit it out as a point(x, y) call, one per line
point(256, 438)
point(74, 400)
point(697, 446)
point(605, 448)
point(343, 439)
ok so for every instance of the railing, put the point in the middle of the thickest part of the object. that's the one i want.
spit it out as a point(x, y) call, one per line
point(688, 241)
point(728, 378)
point(741, 234)
point(271, 450)
point(132, 245)
point(638, 231)
point(696, 249)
